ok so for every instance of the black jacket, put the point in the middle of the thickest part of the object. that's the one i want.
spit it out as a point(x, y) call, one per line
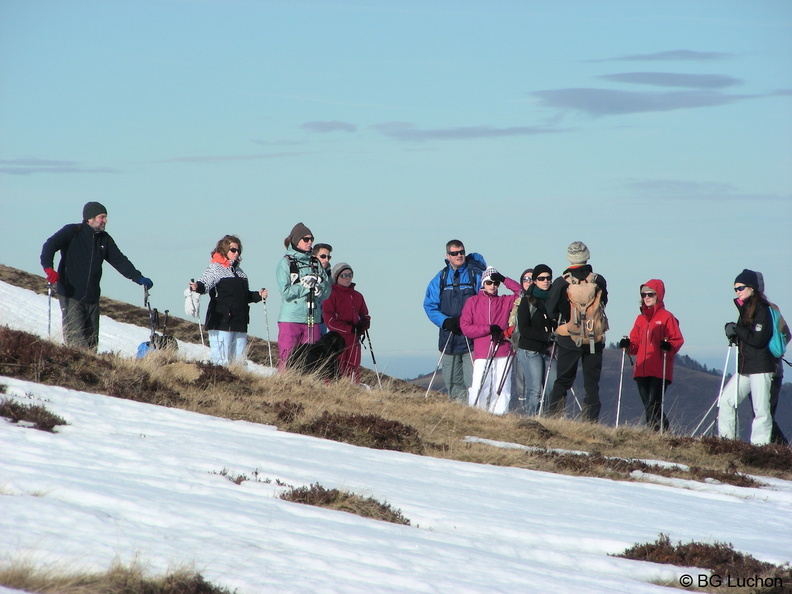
point(752, 341)
point(534, 324)
point(83, 251)
point(229, 297)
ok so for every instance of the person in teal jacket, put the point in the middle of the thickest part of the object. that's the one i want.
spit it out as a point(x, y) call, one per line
point(302, 282)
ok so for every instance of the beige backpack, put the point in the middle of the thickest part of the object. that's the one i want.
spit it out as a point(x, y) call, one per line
point(588, 322)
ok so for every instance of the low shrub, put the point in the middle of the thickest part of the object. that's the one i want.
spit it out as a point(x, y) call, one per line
point(720, 557)
point(367, 507)
point(40, 417)
point(368, 431)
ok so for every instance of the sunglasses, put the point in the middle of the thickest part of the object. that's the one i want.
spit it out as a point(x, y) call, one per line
point(233, 250)
point(541, 279)
point(308, 238)
point(325, 256)
point(528, 279)
point(645, 295)
point(740, 288)
point(457, 253)
point(488, 282)
point(346, 275)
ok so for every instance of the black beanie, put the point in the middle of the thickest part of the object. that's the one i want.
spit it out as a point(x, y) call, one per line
point(540, 268)
point(748, 277)
point(92, 209)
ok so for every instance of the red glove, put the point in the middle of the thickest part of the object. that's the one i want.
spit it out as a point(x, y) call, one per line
point(52, 276)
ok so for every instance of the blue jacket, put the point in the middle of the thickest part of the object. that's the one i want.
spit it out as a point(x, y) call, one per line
point(441, 303)
point(294, 296)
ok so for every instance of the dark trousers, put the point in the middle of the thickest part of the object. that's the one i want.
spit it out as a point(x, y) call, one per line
point(567, 364)
point(80, 323)
point(651, 391)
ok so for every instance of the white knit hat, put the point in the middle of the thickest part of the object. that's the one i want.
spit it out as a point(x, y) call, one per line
point(488, 274)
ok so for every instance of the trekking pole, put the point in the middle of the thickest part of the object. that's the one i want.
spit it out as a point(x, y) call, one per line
point(373, 360)
point(431, 381)
point(662, 395)
point(506, 369)
point(547, 378)
point(266, 323)
point(493, 348)
point(621, 380)
point(720, 391)
point(49, 310)
point(580, 406)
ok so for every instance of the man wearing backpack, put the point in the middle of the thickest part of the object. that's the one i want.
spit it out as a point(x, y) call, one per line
point(445, 297)
point(577, 304)
point(84, 247)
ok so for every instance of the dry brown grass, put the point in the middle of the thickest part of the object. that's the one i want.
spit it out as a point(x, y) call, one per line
point(390, 418)
point(117, 580)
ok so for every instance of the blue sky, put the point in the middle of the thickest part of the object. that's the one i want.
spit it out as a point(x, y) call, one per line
point(657, 133)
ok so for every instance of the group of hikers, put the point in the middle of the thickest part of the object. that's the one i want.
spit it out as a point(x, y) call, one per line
point(550, 326)
point(512, 352)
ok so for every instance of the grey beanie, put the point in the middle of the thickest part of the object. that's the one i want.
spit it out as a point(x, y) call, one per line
point(93, 209)
point(578, 253)
point(338, 269)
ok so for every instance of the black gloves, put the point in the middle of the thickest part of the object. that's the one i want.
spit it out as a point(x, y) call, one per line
point(624, 343)
point(731, 332)
point(665, 346)
point(496, 332)
point(452, 325)
point(497, 277)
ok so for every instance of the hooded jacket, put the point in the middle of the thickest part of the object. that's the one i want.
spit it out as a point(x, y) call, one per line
point(652, 326)
point(294, 296)
point(752, 341)
point(345, 312)
point(482, 311)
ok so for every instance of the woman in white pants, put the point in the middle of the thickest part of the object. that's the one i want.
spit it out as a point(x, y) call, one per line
point(484, 318)
point(755, 362)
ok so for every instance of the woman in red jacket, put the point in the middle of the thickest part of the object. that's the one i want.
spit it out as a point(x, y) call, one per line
point(346, 313)
point(655, 339)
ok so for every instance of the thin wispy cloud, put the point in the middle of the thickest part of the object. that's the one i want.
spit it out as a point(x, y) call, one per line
point(672, 55)
point(329, 126)
point(410, 132)
point(601, 102)
point(230, 158)
point(673, 79)
point(677, 190)
point(33, 165)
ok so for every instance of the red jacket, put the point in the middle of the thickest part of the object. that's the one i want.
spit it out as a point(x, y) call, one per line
point(652, 326)
point(345, 311)
point(483, 310)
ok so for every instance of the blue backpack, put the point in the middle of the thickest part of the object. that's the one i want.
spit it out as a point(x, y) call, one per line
point(778, 343)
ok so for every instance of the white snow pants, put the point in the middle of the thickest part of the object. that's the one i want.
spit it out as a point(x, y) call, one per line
point(488, 398)
point(739, 386)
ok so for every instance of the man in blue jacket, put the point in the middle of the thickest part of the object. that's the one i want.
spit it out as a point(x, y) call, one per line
point(445, 296)
point(84, 247)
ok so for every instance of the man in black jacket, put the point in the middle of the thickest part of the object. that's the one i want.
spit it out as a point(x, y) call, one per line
point(84, 247)
point(577, 343)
